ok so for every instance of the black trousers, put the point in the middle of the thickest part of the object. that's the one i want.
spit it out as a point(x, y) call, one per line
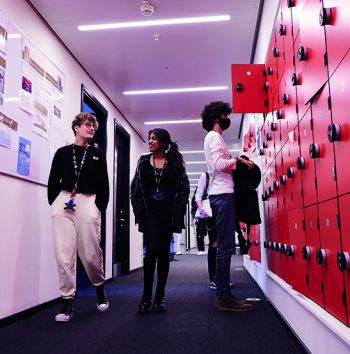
point(156, 237)
point(212, 234)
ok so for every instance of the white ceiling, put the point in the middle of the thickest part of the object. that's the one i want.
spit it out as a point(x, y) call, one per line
point(184, 56)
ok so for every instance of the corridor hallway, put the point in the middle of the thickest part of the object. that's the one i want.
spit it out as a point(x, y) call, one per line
point(191, 324)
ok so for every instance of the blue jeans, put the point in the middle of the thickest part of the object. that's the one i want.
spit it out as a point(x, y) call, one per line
point(224, 212)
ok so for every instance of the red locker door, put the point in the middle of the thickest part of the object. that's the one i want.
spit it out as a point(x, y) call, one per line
point(249, 94)
point(297, 80)
point(333, 282)
point(337, 31)
point(296, 7)
point(324, 159)
point(312, 49)
point(279, 44)
point(282, 180)
point(340, 93)
point(286, 31)
point(344, 206)
point(272, 75)
point(283, 239)
point(296, 265)
point(312, 243)
point(254, 251)
point(304, 162)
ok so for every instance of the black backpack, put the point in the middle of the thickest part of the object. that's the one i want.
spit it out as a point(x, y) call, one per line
point(194, 205)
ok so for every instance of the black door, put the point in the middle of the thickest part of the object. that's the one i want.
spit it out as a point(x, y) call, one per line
point(121, 237)
point(90, 104)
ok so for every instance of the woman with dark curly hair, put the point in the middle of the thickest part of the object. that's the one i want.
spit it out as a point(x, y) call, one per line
point(159, 195)
point(222, 200)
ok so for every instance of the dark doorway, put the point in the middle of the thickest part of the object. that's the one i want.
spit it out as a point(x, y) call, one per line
point(121, 209)
point(90, 104)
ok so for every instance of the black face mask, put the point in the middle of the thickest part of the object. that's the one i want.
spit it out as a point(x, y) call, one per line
point(224, 123)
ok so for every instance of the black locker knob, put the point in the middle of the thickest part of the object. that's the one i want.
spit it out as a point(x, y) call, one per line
point(285, 99)
point(275, 52)
point(250, 134)
point(283, 180)
point(306, 252)
point(314, 151)
point(239, 87)
point(245, 149)
point(265, 244)
point(283, 248)
point(264, 144)
point(300, 163)
point(261, 152)
point(290, 172)
point(325, 16)
point(290, 3)
point(275, 185)
point(343, 260)
point(290, 250)
point(295, 79)
point(273, 126)
point(268, 136)
point(321, 256)
point(277, 247)
point(270, 190)
point(334, 132)
point(266, 85)
point(256, 243)
point(264, 196)
point(269, 70)
point(249, 145)
point(302, 53)
point(334, 173)
point(272, 246)
point(279, 115)
point(282, 30)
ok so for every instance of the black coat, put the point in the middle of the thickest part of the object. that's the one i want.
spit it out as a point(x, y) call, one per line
point(180, 202)
point(245, 182)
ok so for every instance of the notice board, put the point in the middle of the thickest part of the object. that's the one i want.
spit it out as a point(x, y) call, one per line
point(31, 106)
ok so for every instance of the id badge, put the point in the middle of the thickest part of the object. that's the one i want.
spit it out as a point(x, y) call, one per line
point(158, 196)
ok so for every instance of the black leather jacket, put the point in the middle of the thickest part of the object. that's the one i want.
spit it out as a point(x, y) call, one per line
point(138, 198)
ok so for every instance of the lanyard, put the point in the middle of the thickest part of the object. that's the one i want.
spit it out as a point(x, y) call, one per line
point(158, 172)
point(76, 170)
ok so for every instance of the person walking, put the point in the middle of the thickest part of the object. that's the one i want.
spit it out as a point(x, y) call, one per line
point(78, 190)
point(215, 120)
point(159, 195)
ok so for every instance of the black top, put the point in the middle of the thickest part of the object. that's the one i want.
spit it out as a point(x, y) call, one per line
point(93, 176)
point(167, 178)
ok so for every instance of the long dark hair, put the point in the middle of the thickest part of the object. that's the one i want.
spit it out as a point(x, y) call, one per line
point(173, 155)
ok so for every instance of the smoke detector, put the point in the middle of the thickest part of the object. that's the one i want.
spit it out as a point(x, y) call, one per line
point(146, 8)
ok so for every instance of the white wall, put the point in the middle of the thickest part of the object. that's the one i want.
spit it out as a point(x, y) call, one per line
point(28, 270)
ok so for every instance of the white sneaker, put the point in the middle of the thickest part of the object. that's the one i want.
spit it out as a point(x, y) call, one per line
point(200, 253)
point(178, 252)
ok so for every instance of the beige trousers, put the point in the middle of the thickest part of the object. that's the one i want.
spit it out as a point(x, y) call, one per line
point(77, 231)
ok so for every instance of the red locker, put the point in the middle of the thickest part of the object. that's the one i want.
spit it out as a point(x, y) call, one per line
point(295, 262)
point(285, 30)
point(324, 163)
point(344, 207)
point(296, 7)
point(254, 251)
point(281, 178)
point(284, 261)
point(305, 163)
point(312, 49)
point(337, 31)
point(312, 243)
point(272, 75)
point(340, 94)
point(279, 44)
point(333, 282)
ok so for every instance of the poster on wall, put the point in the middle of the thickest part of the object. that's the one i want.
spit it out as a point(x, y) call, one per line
point(24, 152)
point(3, 33)
point(2, 79)
point(5, 136)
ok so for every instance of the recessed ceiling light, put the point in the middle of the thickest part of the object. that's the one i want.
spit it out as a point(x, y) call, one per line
point(184, 121)
point(149, 23)
point(176, 90)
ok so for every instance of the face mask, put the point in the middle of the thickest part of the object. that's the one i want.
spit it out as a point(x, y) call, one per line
point(224, 123)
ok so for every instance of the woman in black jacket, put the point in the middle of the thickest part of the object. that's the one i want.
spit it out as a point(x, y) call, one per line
point(159, 195)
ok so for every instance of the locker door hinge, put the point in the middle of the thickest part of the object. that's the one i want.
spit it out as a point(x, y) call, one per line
point(315, 183)
point(318, 223)
point(338, 221)
point(343, 298)
point(293, 61)
point(291, 196)
point(322, 287)
point(325, 59)
point(264, 73)
point(284, 200)
point(277, 204)
point(297, 108)
point(311, 124)
point(266, 103)
point(303, 223)
point(307, 279)
point(302, 191)
point(299, 140)
point(329, 100)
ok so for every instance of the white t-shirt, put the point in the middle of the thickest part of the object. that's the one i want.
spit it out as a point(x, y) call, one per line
point(219, 164)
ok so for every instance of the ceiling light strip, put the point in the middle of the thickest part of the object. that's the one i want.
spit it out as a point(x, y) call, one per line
point(185, 121)
point(166, 22)
point(176, 90)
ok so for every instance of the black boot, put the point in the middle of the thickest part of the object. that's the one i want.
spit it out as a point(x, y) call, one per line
point(66, 312)
point(102, 301)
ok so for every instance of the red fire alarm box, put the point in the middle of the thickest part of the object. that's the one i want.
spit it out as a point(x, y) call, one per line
point(249, 88)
